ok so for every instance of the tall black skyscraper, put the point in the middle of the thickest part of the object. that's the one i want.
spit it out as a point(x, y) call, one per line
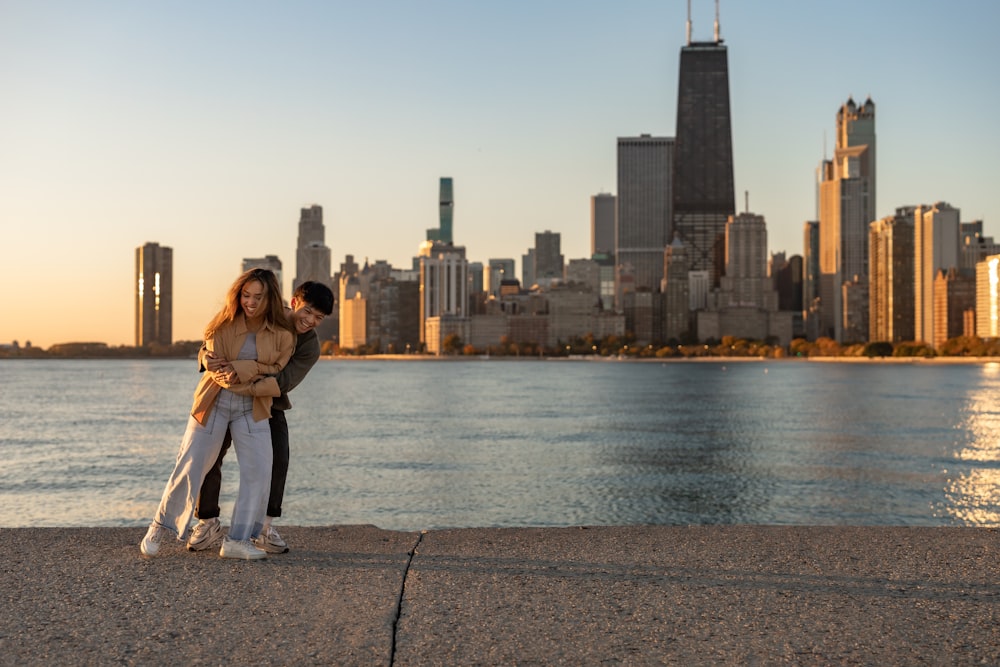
point(703, 192)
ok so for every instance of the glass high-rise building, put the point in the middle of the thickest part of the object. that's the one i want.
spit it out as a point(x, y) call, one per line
point(154, 294)
point(703, 191)
point(446, 213)
point(643, 227)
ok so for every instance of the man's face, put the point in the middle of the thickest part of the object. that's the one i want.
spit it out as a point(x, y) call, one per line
point(304, 316)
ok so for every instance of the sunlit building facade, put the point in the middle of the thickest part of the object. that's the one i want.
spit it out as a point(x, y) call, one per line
point(846, 208)
point(954, 301)
point(988, 297)
point(936, 247)
point(890, 278)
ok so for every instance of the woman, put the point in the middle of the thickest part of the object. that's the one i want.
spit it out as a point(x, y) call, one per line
point(252, 330)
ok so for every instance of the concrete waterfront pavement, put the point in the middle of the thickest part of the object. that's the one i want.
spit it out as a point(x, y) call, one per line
point(359, 595)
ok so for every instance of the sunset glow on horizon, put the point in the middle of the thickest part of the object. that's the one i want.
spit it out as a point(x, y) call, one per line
point(206, 128)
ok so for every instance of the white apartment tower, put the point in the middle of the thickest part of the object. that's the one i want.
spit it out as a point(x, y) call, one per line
point(444, 294)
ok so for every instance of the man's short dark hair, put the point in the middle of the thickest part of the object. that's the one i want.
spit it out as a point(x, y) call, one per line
point(317, 295)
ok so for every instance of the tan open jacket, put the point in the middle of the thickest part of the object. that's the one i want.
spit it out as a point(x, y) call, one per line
point(274, 348)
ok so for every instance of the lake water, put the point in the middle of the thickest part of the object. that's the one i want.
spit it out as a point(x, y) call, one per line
point(421, 444)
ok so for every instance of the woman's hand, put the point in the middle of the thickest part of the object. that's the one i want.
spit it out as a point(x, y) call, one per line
point(215, 363)
point(226, 376)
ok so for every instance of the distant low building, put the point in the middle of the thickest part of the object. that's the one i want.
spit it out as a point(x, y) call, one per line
point(548, 318)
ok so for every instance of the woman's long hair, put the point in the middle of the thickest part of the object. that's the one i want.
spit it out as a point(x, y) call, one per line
point(275, 314)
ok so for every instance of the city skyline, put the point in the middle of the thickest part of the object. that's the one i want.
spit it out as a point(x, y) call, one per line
point(208, 128)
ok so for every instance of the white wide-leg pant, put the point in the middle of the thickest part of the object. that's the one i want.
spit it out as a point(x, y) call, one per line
point(199, 449)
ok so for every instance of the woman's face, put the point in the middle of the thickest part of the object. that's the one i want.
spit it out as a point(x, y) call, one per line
point(253, 298)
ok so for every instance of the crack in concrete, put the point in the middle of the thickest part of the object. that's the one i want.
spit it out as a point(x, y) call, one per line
point(402, 593)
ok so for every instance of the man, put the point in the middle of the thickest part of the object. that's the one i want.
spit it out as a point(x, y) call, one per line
point(310, 303)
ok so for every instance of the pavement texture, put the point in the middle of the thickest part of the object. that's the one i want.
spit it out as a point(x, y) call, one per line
point(648, 595)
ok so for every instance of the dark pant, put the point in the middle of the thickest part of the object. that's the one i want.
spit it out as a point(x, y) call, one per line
point(208, 500)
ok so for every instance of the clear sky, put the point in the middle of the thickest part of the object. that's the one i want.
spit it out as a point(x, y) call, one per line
point(207, 126)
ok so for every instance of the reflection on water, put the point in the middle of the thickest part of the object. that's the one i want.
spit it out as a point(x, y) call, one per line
point(974, 498)
point(973, 492)
point(411, 445)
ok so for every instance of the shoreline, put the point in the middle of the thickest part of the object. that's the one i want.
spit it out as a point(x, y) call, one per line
point(575, 358)
point(667, 360)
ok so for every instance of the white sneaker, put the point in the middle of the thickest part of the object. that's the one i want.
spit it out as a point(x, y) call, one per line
point(150, 544)
point(242, 549)
point(205, 534)
point(271, 542)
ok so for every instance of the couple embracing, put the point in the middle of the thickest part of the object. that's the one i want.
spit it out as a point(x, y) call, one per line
point(255, 352)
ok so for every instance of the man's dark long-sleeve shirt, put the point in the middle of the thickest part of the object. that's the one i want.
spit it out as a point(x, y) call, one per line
point(304, 357)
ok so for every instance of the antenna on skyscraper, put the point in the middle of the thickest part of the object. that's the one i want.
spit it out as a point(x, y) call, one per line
point(717, 40)
point(689, 24)
point(746, 199)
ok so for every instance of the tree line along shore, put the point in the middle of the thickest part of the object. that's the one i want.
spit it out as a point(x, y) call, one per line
point(960, 348)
